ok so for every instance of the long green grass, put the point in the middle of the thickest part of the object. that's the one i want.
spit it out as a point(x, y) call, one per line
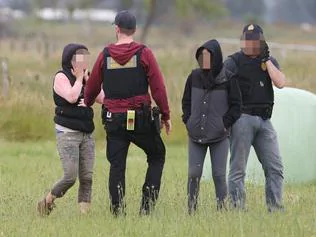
point(29, 169)
point(29, 164)
point(28, 111)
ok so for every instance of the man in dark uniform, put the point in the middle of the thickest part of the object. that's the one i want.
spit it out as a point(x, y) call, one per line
point(256, 72)
point(125, 70)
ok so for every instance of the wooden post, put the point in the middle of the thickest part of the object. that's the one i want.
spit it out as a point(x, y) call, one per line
point(12, 44)
point(25, 44)
point(54, 47)
point(38, 46)
point(5, 77)
point(45, 43)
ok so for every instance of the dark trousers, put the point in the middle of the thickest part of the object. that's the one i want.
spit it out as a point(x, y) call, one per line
point(218, 155)
point(117, 148)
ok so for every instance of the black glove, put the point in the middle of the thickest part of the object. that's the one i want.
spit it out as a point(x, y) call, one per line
point(265, 53)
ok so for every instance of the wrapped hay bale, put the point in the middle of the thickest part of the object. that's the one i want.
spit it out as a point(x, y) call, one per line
point(294, 119)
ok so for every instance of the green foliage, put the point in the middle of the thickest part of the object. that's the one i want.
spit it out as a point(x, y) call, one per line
point(147, 4)
point(252, 19)
point(254, 9)
point(211, 9)
point(85, 4)
point(19, 4)
point(28, 112)
point(126, 4)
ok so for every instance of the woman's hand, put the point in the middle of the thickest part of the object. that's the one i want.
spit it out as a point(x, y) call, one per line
point(81, 103)
point(78, 72)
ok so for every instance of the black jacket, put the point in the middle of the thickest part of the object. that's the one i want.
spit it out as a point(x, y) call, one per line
point(211, 103)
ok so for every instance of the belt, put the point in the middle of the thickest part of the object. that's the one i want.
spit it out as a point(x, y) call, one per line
point(122, 114)
point(264, 112)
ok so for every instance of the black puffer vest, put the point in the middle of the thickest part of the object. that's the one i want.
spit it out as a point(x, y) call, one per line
point(71, 115)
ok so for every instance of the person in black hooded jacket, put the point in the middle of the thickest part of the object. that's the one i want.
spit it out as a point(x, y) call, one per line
point(210, 104)
point(74, 126)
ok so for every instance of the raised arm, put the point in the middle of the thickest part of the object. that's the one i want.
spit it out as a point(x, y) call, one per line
point(93, 87)
point(64, 89)
point(277, 77)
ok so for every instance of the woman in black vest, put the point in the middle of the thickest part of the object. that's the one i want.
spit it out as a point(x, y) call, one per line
point(74, 126)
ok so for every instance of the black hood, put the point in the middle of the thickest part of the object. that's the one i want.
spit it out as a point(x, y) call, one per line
point(68, 53)
point(217, 57)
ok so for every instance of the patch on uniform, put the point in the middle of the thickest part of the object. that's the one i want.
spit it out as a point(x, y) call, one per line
point(112, 64)
point(261, 84)
point(263, 66)
point(251, 27)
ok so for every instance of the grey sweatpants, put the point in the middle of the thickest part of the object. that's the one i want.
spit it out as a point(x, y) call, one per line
point(218, 155)
point(77, 154)
point(254, 131)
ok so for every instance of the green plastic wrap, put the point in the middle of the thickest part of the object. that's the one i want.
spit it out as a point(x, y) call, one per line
point(294, 119)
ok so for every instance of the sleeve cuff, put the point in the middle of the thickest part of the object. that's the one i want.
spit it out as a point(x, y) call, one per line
point(165, 117)
point(226, 123)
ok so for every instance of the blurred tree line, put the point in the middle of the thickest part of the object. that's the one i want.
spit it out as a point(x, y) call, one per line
point(181, 12)
point(185, 14)
point(294, 11)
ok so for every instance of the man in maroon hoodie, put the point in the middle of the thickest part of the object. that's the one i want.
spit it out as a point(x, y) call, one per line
point(125, 70)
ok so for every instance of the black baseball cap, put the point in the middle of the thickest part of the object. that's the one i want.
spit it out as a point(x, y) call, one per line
point(252, 32)
point(125, 20)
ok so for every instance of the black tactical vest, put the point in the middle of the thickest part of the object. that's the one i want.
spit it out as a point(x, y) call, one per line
point(71, 115)
point(254, 81)
point(124, 81)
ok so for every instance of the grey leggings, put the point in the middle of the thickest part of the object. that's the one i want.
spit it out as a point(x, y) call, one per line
point(218, 153)
point(77, 154)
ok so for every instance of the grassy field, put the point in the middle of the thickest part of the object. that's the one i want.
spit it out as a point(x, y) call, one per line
point(29, 164)
point(31, 73)
point(29, 169)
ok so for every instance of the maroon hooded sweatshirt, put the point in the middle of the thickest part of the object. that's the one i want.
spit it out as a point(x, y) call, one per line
point(122, 54)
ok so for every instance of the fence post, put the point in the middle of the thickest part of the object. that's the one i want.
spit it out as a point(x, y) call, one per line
point(5, 77)
point(12, 44)
point(45, 42)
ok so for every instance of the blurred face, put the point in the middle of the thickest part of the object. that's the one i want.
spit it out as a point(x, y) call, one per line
point(205, 60)
point(81, 60)
point(251, 47)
